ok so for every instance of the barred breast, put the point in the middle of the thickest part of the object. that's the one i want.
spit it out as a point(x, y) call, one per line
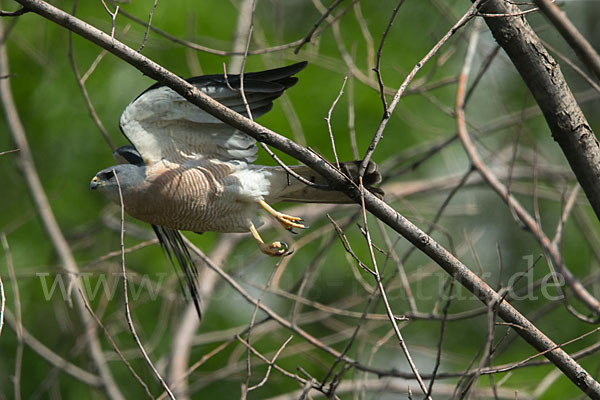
point(199, 196)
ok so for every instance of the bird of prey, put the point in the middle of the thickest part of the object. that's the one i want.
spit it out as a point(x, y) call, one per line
point(187, 170)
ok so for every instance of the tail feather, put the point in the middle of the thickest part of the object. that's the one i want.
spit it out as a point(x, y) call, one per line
point(172, 243)
point(296, 191)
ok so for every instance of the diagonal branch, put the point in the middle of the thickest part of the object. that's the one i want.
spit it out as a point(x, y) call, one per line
point(571, 34)
point(546, 82)
point(374, 205)
point(46, 215)
point(550, 248)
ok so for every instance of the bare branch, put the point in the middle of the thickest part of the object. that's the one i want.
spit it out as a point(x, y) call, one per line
point(205, 49)
point(16, 378)
point(381, 210)
point(114, 346)
point(379, 133)
point(542, 75)
point(81, 84)
point(2, 305)
point(8, 152)
point(584, 50)
point(532, 224)
point(44, 352)
point(261, 383)
point(49, 221)
point(148, 25)
point(20, 11)
point(384, 297)
point(377, 67)
point(127, 310)
point(316, 25)
point(328, 119)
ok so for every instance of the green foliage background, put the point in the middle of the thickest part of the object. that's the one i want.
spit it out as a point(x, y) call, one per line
point(68, 150)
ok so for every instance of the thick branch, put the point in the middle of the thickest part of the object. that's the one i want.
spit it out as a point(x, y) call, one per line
point(544, 78)
point(377, 207)
point(571, 34)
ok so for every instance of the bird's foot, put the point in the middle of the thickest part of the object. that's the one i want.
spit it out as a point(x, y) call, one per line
point(288, 221)
point(275, 249)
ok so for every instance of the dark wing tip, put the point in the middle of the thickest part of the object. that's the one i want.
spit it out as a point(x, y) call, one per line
point(277, 74)
point(270, 83)
point(282, 75)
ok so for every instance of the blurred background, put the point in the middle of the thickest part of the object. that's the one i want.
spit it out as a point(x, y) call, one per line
point(319, 290)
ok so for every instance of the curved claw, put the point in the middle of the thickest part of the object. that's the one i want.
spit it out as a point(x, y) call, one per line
point(288, 221)
point(276, 249)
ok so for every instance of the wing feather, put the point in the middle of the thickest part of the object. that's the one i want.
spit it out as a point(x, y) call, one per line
point(161, 124)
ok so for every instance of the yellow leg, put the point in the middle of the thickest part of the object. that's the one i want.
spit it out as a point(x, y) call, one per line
point(275, 249)
point(287, 221)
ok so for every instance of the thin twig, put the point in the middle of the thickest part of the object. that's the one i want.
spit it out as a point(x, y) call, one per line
point(438, 357)
point(525, 361)
point(291, 171)
point(16, 378)
point(352, 118)
point(2, 305)
point(347, 246)
point(242, 37)
point(364, 28)
point(399, 266)
point(205, 49)
point(8, 151)
point(246, 384)
point(114, 346)
point(485, 65)
point(488, 350)
point(44, 210)
point(113, 16)
point(379, 133)
point(377, 67)
point(147, 31)
point(337, 378)
point(568, 207)
point(328, 119)
point(316, 25)
point(52, 358)
point(388, 308)
point(20, 11)
point(125, 293)
point(261, 383)
point(81, 84)
point(508, 14)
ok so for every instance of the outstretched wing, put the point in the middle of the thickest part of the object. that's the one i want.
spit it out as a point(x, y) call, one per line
point(161, 124)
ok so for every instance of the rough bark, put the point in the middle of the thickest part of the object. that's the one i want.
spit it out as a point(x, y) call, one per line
point(542, 74)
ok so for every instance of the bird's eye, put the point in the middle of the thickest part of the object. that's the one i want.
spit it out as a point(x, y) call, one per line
point(108, 175)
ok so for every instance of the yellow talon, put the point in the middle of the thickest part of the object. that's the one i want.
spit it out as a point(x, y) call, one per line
point(287, 221)
point(275, 249)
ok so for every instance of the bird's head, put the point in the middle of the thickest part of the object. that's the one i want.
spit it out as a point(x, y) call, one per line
point(130, 177)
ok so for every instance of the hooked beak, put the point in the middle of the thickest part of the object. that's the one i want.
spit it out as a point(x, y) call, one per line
point(94, 183)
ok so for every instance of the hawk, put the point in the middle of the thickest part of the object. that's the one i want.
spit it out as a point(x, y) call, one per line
point(187, 170)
